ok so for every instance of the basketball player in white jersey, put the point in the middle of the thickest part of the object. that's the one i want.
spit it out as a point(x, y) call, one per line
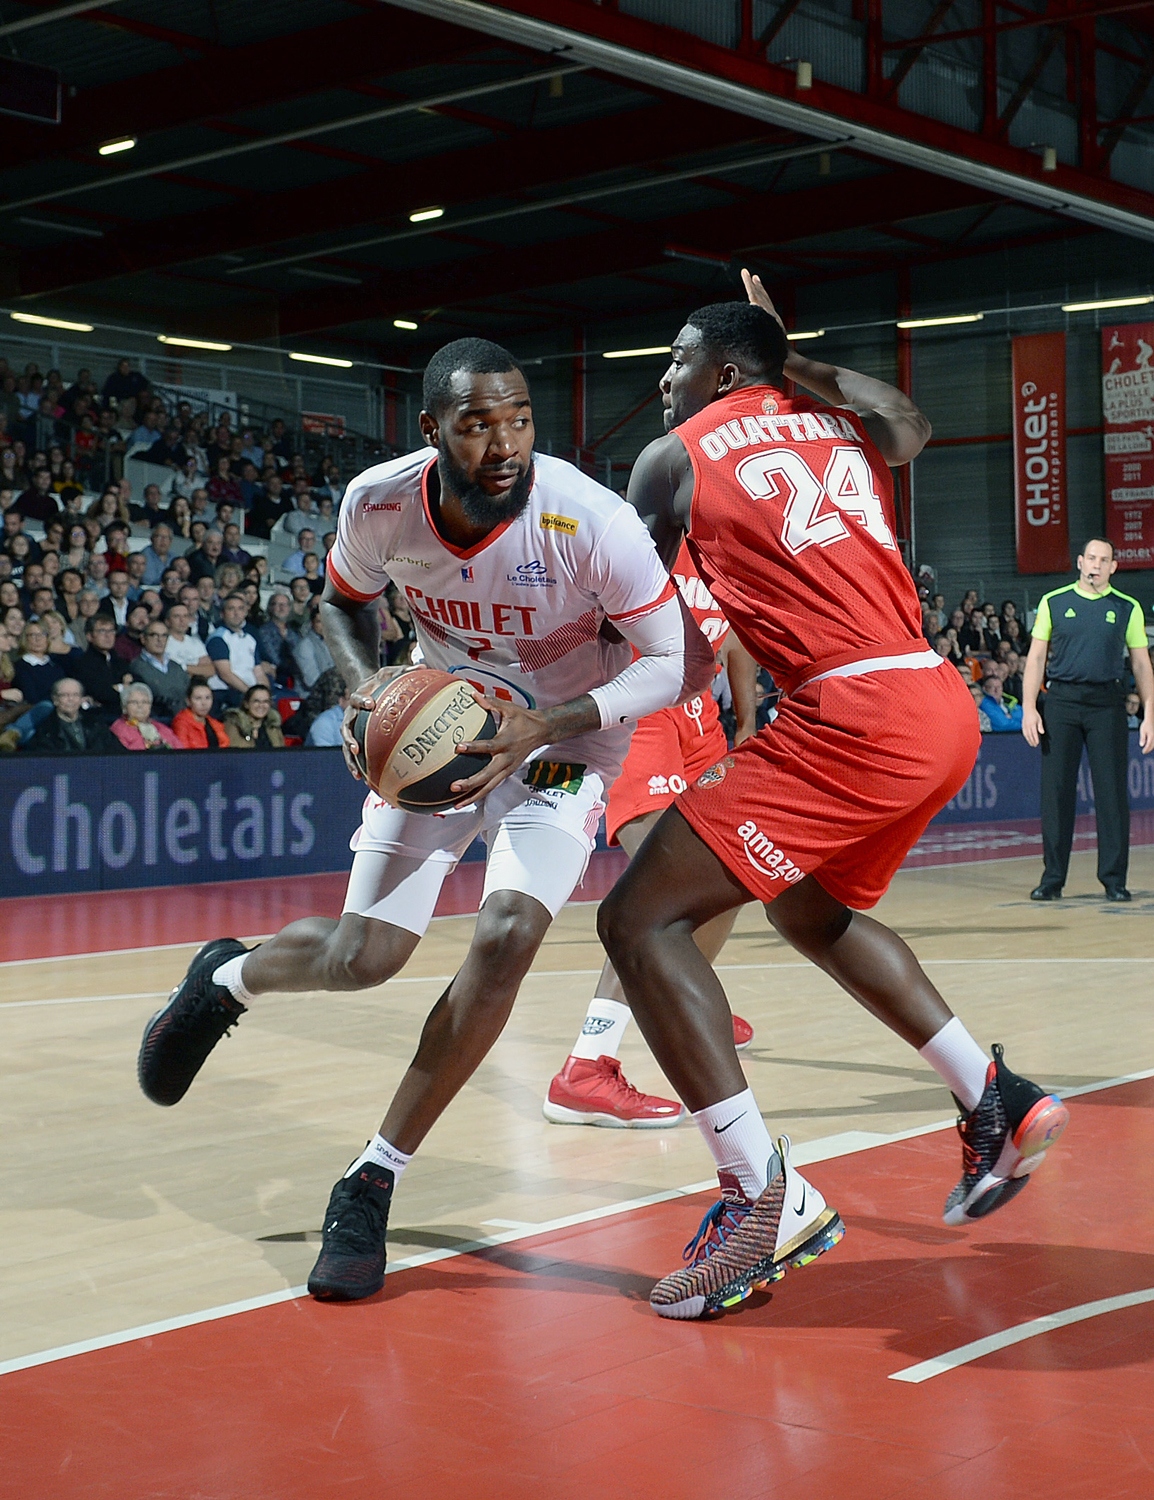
point(544, 590)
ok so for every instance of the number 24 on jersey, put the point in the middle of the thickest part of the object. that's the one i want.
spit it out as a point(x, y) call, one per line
point(847, 484)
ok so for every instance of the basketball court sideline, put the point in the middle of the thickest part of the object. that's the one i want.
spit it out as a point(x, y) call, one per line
point(121, 1217)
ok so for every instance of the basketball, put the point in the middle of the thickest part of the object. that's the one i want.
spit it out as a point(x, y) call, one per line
point(408, 740)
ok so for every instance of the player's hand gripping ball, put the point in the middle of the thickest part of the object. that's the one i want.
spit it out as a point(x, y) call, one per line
point(408, 742)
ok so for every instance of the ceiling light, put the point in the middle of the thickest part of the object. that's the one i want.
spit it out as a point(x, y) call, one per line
point(1106, 302)
point(635, 353)
point(84, 229)
point(317, 275)
point(172, 338)
point(940, 322)
point(420, 215)
point(407, 324)
point(114, 148)
point(51, 322)
point(815, 333)
point(322, 359)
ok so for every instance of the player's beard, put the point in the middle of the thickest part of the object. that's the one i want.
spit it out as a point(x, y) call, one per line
point(482, 509)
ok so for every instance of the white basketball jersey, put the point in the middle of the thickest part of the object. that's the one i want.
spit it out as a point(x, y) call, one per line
point(519, 614)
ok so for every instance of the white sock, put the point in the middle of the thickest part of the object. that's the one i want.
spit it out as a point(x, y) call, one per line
point(228, 975)
point(741, 1146)
point(381, 1154)
point(605, 1023)
point(958, 1060)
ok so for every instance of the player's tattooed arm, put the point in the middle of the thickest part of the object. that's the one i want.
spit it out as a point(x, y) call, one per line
point(353, 636)
point(898, 428)
point(661, 492)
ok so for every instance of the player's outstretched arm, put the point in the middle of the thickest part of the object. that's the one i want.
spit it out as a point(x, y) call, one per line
point(898, 428)
point(661, 492)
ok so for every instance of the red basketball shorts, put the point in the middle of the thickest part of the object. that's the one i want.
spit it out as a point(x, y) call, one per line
point(841, 785)
point(668, 752)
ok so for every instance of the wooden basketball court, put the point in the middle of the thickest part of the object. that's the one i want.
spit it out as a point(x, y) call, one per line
point(153, 1339)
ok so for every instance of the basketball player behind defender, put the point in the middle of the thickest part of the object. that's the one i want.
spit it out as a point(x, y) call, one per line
point(667, 753)
point(787, 505)
point(510, 562)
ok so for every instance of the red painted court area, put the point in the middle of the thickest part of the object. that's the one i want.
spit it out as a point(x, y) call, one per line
point(536, 1369)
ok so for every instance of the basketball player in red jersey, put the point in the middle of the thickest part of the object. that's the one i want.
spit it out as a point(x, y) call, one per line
point(668, 752)
point(787, 506)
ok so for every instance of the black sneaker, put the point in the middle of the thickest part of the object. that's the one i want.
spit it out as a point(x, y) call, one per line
point(182, 1033)
point(1046, 893)
point(1117, 893)
point(1003, 1140)
point(351, 1264)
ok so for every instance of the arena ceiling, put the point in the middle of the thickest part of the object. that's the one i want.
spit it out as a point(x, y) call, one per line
point(590, 160)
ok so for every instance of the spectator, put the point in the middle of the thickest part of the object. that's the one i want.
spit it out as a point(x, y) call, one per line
point(77, 553)
point(208, 613)
point(224, 487)
point(144, 434)
point(249, 484)
point(38, 502)
point(42, 430)
point(1013, 679)
point(185, 648)
point(35, 670)
point(304, 514)
point(153, 511)
point(255, 725)
point(294, 564)
point(1002, 718)
point(61, 642)
point(96, 575)
point(309, 651)
point(972, 637)
point(11, 698)
point(124, 384)
point(204, 562)
point(313, 575)
point(87, 604)
point(170, 586)
point(234, 649)
point(136, 729)
point(117, 603)
point(167, 679)
point(67, 486)
point(99, 669)
point(195, 727)
point(326, 727)
point(71, 729)
point(156, 555)
point(1133, 711)
point(167, 450)
point(232, 551)
point(978, 696)
point(273, 636)
point(268, 506)
point(130, 640)
point(302, 602)
point(180, 517)
point(1015, 633)
point(280, 440)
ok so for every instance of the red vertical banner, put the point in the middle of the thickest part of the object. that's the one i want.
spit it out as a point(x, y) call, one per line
point(1128, 441)
point(1041, 519)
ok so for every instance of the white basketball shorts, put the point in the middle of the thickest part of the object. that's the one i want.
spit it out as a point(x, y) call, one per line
point(539, 838)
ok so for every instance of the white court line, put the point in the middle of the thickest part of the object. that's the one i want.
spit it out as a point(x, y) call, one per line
point(846, 1143)
point(965, 1353)
point(559, 974)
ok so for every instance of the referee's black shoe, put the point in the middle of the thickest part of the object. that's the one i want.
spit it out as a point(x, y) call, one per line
point(351, 1264)
point(1117, 893)
point(1046, 893)
point(183, 1032)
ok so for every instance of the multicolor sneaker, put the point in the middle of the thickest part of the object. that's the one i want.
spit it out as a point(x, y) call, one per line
point(183, 1032)
point(596, 1092)
point(742, 1245)
point(351, 1264)
point(742, 1033)
point(1003, 1140)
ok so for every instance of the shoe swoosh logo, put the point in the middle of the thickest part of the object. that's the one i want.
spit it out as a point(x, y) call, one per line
point(801, 1206)
point(721, 1129)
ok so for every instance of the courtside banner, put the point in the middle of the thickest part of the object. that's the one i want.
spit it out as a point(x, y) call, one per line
point(1128, 441)
point(1041, 518)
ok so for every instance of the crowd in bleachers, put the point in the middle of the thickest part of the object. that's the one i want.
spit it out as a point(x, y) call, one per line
point(988, 645)
point(173, 605)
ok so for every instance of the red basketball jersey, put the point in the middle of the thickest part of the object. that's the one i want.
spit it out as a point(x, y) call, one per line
point(792, 529)
point(698, 600)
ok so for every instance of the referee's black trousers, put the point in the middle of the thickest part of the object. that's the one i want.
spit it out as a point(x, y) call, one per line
point(1094, 715)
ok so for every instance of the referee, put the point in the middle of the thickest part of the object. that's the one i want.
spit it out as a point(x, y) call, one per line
point(1085, 631)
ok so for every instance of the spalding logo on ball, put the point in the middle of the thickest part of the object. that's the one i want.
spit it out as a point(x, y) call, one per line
point(408, 741)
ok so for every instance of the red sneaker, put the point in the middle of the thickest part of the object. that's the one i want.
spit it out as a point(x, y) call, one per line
point(742, 1033)
point(589, 1092)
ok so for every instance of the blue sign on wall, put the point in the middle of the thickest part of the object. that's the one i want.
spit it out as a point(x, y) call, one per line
point(121, 821)
point(94, 823)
